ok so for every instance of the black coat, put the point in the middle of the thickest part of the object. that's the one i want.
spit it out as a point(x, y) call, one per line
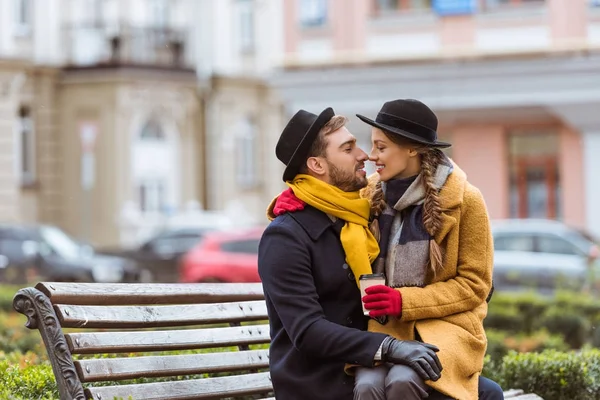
point(314, 306)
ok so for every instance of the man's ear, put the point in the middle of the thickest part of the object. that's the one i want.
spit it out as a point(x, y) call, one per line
point(316, 165)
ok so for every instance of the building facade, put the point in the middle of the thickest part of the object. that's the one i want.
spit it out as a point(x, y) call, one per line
point(515, 83)
point(116, 115)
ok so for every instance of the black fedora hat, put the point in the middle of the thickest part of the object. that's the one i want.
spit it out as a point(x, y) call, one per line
point(297, 138)
point(408, 118)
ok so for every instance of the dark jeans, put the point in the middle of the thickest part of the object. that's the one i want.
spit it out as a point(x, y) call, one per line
point(402, 382)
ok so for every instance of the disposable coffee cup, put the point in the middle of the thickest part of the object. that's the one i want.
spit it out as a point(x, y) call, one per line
point(367, 281)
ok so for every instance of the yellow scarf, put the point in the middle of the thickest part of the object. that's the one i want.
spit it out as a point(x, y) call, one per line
point(359, 244)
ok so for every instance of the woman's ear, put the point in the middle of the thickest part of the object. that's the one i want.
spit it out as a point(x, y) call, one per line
point(412, 152)
point(316, 165)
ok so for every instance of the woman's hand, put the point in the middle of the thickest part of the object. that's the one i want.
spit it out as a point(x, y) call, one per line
point(382, 300)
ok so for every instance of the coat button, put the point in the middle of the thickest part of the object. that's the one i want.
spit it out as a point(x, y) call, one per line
point(345, 266)
point(350, 276)
point(349, 320)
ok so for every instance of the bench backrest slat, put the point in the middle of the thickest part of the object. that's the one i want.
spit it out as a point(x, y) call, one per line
point(74, 316)
point(157, 293)
point(217, 323)
point(93, 370)
point(186, 339)
point(208, 388)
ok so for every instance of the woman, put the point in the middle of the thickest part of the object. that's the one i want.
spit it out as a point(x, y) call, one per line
point(436, 253)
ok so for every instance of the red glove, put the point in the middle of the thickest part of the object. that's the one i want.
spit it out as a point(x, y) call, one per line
point(287, 202)
point(383, 300)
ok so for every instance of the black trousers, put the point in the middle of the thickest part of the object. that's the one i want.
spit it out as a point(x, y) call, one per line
point(402, 382)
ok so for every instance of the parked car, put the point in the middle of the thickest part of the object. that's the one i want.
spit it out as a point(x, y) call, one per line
point(44, 252)
point(162, 253)
point(223, 257)
point(543, 254)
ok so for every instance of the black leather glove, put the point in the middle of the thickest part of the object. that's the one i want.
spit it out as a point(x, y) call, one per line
point(419, 356)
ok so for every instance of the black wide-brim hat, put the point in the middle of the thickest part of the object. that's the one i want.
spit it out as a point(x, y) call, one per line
point(297, 138)
point(410, 119)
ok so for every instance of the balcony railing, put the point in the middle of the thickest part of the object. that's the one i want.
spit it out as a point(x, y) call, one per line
point(124, 45)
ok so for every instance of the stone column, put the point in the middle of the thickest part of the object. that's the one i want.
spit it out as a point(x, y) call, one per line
point(584, 117)
point(568, 21)
point(10, 84)
point(591, 171)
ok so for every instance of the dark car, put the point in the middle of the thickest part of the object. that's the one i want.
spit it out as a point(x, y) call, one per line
point(44, 252)
point(161, 254)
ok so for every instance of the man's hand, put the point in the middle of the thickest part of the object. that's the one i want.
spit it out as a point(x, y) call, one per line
point(419, 356)
point(382, 300)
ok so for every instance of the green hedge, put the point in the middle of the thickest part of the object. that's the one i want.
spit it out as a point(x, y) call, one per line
point(22, 378)
point(573, 316)
point(553, 375)
point(501, 343)
point(14, 336)
point(7, 292)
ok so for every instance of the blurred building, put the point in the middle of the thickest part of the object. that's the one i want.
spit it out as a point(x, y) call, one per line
point(515, 83)
point(116, 115)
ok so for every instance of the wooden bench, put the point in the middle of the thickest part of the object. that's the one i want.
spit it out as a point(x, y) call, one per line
point(79, 322)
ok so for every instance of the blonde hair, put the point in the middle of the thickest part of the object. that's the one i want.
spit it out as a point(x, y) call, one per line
point(336, 122)
point(431, 157)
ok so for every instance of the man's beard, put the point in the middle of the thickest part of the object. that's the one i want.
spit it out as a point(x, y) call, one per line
point(345, 180)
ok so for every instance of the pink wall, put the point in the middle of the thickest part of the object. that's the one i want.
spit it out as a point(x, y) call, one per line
point(481, 151)
point(349, 21)
point(291, 25)
point(568, 20)
point(457, 31)
point(572, 177)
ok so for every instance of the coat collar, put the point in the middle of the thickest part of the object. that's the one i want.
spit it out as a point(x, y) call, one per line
point(315, 222)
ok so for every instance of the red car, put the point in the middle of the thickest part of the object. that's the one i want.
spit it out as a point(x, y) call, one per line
point(223, 257)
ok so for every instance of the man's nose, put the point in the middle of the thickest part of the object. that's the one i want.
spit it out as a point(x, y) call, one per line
point(362, 156)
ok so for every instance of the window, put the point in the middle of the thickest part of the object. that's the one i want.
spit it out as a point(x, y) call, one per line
point(518, 242)
point(420, 4)
point(26, 143)
point(23, 14)
point(393, 7)
point(159, 13)
point(152, 131)
point(246, 160)
point(246, 15)
point(60, 243)
point(387, 5)
point(92, 11)
point(249, 246)
point(152, 196)
point(313, 13)
point(535, 189)
point(504, 4)
point(556, 245)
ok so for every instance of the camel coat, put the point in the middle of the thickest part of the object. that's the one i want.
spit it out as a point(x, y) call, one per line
point(449, 311)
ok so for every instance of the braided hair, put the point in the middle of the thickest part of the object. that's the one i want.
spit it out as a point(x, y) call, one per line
point(431, 157)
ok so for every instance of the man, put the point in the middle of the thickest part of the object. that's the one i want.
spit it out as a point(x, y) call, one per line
point(309, 261)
